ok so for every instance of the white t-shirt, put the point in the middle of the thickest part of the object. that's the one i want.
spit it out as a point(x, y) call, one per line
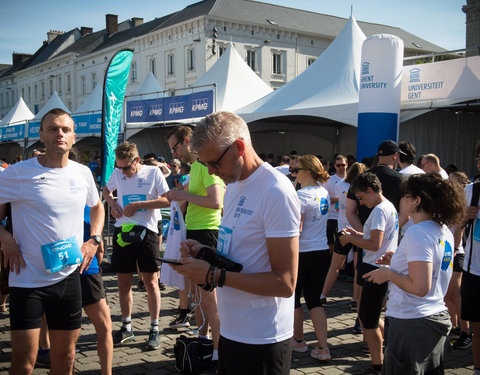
point(383, 217)
point(341, 191)
point(330, 186)
point(425, 242)
point(443, 173)
point(314, 201)
point(147, 184)
point(284, 169)
point(262, 206)
point(411, 169)
point(47, 207)
point(475, 265)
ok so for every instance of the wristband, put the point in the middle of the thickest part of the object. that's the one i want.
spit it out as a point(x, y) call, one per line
point(221, 279)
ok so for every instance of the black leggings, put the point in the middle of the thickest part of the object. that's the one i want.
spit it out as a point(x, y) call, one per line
point(312, 270)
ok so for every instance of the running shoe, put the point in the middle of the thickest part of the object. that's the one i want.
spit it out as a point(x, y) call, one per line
point(140, 286)
point(321, 354)
point(463, 342)
point(153, 340)
point(43, 358)
point(181, 321)
point(372, 371)
point(357, 328)
point(299, 347)
point(353, 305)
point(455, 333)
point(123, 336)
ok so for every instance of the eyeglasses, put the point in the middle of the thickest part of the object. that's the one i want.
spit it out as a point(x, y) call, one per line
point(340, 165)
point(215, 165)
point(295, 170)
point(477, 158)
point(172, 149)
point(127, 167)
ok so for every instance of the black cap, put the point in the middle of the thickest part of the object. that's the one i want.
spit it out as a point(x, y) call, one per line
point(388, 148)
point(161, 159)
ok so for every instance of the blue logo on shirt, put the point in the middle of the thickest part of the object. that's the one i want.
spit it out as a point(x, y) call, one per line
point(447, 255)
point(323, 206)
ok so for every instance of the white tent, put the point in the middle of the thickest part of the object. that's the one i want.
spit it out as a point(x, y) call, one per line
point(53, 102)
point(324, 88)
point(236, 83)
point(150, 88)
point(93, 104)
point(19, 113)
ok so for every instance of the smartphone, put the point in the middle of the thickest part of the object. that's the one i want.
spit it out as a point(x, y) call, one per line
point(170, 261)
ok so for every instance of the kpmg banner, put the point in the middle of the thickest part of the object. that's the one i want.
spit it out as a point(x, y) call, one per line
point(173, 108)
point(88, 124)
point(12, 132)
point(33, 129)
point(451, 79)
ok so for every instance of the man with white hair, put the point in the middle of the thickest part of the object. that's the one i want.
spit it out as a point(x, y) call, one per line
point(260, 230)
point(430, 163)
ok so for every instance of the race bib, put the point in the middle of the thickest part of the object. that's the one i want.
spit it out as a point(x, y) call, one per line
point(476, 230)
point(60, 254)
point(224, 240)
point(134, 198)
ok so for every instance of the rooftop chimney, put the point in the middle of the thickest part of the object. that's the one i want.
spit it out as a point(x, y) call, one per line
point(86, 30)
point(18, 58)
point(137, 21)
point(52, 34)
point(111, 23)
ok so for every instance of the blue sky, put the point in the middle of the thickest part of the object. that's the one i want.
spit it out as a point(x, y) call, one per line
point(24, 23)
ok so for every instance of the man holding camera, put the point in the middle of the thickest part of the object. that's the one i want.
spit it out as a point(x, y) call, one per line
point(259, 230)
point(140, 190)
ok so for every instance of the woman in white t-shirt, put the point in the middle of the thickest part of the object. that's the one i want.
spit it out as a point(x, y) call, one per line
point(340, 252)
point(380, 234)
point(419, 274)
point(314, 258)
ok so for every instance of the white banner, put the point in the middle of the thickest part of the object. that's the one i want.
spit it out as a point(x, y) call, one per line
point(451, 79)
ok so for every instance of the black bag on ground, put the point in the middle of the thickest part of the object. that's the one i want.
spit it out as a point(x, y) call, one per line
point(192, 354)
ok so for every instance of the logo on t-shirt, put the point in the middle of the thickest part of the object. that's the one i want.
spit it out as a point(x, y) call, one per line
point(323, 205)
point(447, 255)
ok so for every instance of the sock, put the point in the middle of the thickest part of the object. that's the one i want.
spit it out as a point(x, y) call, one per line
point(203, 337)
point(154, 323)
point(127, 323)
point(377, 367)
point(322, 296)
point(215, 355)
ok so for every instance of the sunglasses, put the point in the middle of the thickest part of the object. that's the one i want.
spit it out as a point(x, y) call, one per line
point(295, 170)
point(125, 168)
point(215, 164)
point(340, 165)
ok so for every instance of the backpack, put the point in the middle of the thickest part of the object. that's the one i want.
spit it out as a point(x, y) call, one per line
point(192, 354)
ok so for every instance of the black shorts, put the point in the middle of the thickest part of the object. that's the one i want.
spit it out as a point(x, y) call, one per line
point(312, 270)
point(470, 297)
point(332, 229)
point(236, 358)
point(458, 262)
point(207, 237)
point(339, 249)
point(61, 303)
point(371, 302)
point(92, 289)
point(124, 259)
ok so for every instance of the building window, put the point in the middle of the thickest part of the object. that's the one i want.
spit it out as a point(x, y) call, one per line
point(35, 92)
point(277, 63)
point(152, 66)
point(1, 101)
point(94, 80)
point(29, 93)
point(190, 59)
point(42, 90)
point(50, 86)
point(23, 92)
point(310, 61)
point(133, 74)
point(171, 64)
point(69, 84)
point(59, 84)
point(83, 85)
point(251, 60)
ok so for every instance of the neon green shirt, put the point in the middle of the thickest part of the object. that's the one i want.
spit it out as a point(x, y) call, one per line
point(198, 217)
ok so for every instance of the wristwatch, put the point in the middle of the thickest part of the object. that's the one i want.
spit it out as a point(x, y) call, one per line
point(97, 238)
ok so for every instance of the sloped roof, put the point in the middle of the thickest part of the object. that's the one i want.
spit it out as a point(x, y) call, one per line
point(55, 46)
point(236, 84)
point(93, 103)
point(53, 102)
point(19, 112)
point(329, 83)
point(151, 87)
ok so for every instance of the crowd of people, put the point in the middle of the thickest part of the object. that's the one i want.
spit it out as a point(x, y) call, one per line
point(261, 235)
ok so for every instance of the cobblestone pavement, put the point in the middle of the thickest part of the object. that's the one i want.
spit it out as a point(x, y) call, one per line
point(346, 347)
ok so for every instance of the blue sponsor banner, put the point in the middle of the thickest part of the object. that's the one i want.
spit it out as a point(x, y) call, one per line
point(373, 129)
point(12, 132)
point(173, 108)
point(88, 124)
point(33, 129)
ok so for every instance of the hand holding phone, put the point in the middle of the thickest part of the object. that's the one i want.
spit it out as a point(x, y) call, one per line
point(169, 261)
